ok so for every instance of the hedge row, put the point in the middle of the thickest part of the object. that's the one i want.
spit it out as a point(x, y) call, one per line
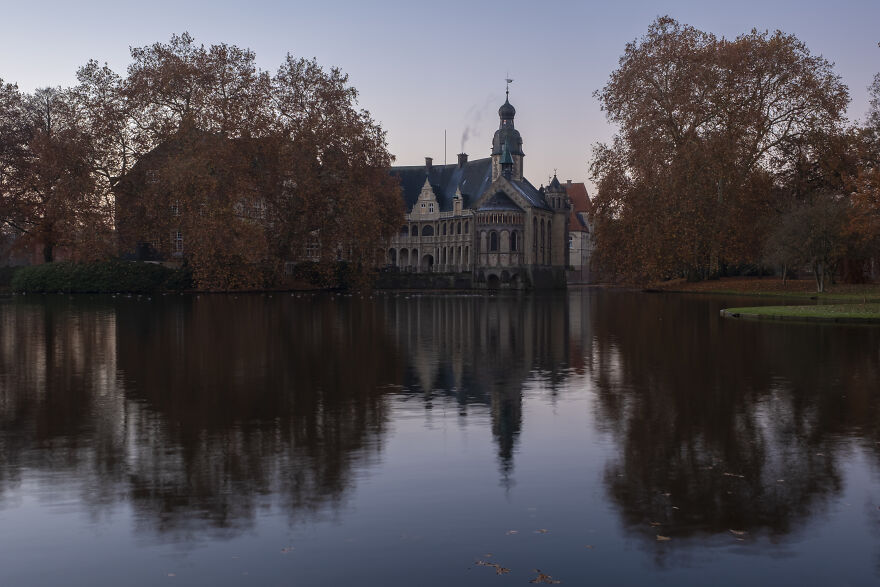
point(100, 277)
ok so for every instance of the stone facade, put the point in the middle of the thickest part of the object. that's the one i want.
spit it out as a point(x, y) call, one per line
point(580, 235)
point(483, 219)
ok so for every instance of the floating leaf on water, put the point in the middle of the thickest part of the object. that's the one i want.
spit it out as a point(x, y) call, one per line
point(588, 546)
point(734, 475)
point(655, 523)
point(542, 531)
point(499, 570)
point(544, 578)
point(738, 532)
point(663, 538)
point(509, 532)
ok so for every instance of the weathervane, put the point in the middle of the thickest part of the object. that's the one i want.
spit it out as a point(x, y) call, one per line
point(507, 90)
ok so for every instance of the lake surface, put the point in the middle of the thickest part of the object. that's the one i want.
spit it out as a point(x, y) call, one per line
point(602, 437)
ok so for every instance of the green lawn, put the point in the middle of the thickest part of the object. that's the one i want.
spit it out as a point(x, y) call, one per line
point(855, 312)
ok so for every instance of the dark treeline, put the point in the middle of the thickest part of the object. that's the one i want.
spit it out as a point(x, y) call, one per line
point(249, 167)
point(732, 154)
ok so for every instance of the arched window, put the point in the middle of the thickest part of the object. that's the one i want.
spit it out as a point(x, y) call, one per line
point(465, 226)
point(493, 241)
point(458, 228)
point(427, 230)
point(414, 231)
point(444, 229)
point(513, 241)
point(467, 254)
point(404, 231)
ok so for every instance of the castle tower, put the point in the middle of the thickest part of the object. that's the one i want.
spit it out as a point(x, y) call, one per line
point(558, 199)
point(509, 136)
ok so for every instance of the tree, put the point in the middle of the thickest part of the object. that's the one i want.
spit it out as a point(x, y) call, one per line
point(704, 123)
point(49, 195)
point(865, 183)
point(254, 166)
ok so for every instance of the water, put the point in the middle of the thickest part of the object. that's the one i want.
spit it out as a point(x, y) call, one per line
point(601, 437)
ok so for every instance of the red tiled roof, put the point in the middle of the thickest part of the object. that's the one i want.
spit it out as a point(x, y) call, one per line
point(580, 205)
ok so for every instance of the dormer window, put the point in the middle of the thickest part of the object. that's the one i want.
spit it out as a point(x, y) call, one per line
point(431, 208)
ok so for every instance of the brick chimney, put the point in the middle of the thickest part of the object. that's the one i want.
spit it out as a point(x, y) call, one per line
point(462, 159)
point(428, 164)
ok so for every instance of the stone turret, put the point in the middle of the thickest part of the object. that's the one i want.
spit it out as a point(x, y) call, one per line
point(556, 196)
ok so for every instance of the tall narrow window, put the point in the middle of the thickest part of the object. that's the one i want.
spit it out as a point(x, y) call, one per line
point(493, 241)
point(513, 241)
point(535, 238)
point(543, 235)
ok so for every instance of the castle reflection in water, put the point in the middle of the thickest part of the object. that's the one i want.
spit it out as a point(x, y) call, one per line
point(199, 410)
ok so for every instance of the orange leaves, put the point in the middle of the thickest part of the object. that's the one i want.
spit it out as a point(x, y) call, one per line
point(704, 126)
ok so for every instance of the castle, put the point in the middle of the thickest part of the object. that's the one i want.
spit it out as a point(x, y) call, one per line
point(483, 220)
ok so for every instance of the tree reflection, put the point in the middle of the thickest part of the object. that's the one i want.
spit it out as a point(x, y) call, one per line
point(197, 410)
point(726, 425)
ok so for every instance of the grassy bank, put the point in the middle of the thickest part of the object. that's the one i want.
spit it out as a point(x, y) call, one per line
point(846, 313)
point(100, 277)
point(773, 287)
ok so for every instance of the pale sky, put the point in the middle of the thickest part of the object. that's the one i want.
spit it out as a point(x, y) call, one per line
point(425, 67)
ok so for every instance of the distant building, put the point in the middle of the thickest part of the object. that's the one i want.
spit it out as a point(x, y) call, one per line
point(483, 220)
point(580, 235)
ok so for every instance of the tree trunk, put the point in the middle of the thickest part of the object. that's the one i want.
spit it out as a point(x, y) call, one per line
point(819, 272)
point(784, 274)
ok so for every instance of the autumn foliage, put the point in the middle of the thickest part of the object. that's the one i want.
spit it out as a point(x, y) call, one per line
point(720, 142)
point(199, 155)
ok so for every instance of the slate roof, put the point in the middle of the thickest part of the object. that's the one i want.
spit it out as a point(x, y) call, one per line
point(473, 180)
point(530, 193)
point(500, 201)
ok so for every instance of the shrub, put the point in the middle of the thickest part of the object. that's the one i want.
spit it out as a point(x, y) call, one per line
point(100, 277)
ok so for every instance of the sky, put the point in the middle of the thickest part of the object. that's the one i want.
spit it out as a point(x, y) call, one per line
point(428, 68)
